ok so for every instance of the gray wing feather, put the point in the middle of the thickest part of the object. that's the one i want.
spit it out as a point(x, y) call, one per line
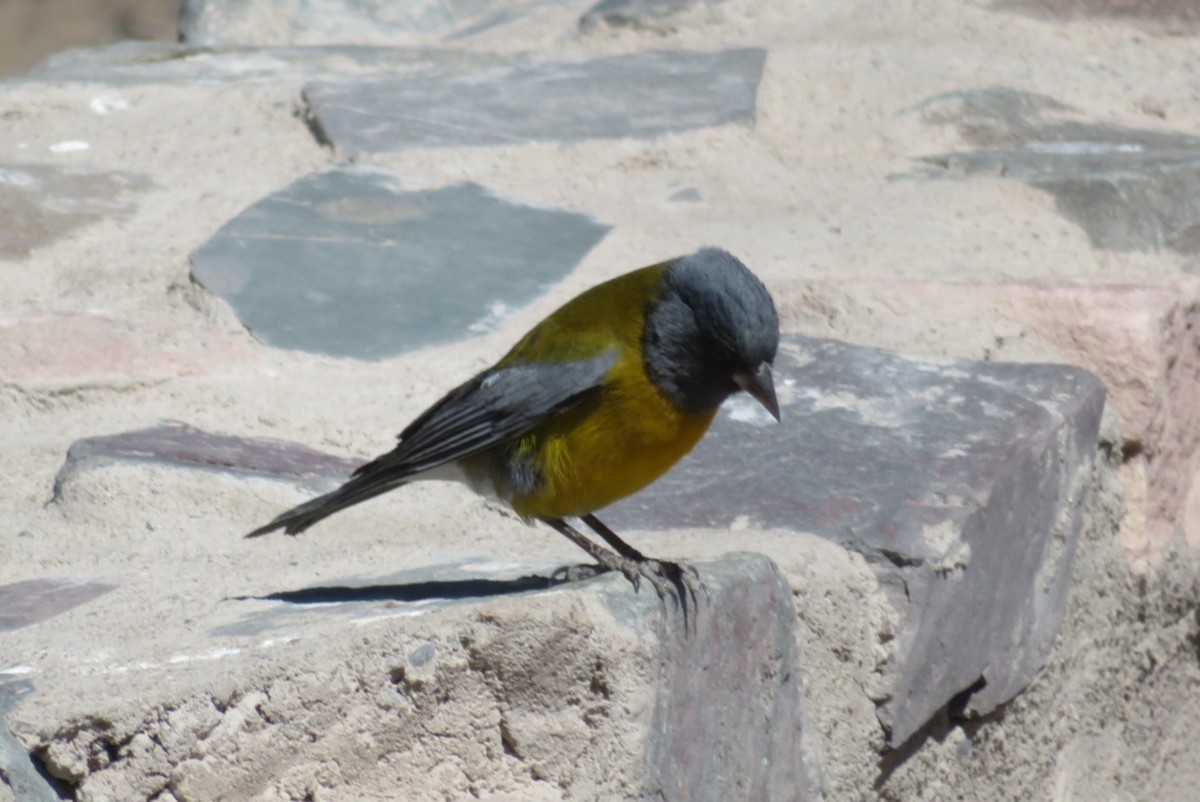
point(492, 408)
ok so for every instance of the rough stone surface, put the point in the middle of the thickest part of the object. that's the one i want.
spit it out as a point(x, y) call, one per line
point(969, 507)
point(1128, 188)
point(1141, 339)
point(19, 778)
point(639, 95)
point(346, 263)
point(591, 688)
point(39, 203)
point(818, 190)
point(959, 483)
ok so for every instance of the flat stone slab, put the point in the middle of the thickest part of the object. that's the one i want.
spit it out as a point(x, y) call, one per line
point(41, 203)
point(346, 263)
point(33, 600)
point(960, 482)
point(182, 446)
point(587, 686)
point(1129, 189)
point(639, 95)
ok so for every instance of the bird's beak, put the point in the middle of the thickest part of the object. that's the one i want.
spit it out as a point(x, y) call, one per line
point(759, 384)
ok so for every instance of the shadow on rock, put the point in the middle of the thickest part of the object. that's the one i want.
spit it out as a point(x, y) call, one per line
point(452, 589)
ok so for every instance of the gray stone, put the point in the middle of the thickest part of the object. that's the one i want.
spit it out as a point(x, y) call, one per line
point(1129, 189)
point(33, 600)
point(346, 263)
point(41, 203)
point(636, 95)
point(18, 775)
point(960, 483)
point(562, 687)
point(221, 23)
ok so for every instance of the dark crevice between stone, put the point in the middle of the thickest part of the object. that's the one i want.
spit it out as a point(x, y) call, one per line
point(957, 706)
point(1131, 449)
point(939, 727)
point(1193, 638)
point(508, 742)
point(312, 122)
point(900, 560)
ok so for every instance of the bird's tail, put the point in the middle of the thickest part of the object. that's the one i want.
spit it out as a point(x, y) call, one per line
point(297, 519)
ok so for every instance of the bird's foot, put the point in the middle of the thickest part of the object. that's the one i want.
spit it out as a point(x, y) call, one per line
point(677, 581)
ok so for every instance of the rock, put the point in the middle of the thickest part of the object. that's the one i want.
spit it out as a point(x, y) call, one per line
point(346, 263)
point(41, 203)
point(33, 600)
point(561, 687)
point(1142, 339)
point(960, 483)
point(19, 778)
point(66, 352)
point(1129, 189)
point(639, 95)
point(181, 446)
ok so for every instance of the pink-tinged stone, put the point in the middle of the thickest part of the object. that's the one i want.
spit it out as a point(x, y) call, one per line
point(74, 349)
point(1143, 340)
point(41, 203)
point(33, 600)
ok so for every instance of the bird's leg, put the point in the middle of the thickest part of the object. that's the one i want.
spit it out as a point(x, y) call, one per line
point(679, 574)
point(611, 537)
point(607, 560)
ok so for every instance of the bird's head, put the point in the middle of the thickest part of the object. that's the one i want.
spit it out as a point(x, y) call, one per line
point(710, 332)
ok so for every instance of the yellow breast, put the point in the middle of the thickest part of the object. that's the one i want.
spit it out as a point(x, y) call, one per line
point(608, 447)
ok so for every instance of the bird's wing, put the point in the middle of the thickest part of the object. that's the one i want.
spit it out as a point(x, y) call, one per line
point(493, 407)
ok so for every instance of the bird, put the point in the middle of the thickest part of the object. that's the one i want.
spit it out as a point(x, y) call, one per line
point(594, 403)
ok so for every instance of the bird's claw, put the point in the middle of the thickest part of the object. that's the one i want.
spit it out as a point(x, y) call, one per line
point(679, 582)
point(676, 581)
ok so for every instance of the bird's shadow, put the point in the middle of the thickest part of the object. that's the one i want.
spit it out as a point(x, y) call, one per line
point(427, 590)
